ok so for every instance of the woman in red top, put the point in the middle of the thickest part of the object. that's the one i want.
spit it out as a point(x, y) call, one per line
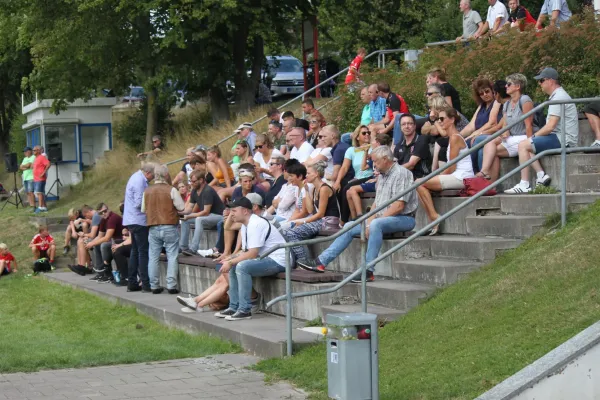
point(8, 263)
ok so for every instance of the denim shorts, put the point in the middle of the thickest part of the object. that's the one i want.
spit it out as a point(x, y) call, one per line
point(368, 187)
point(28, 185)
point(39, 187)
point(542, 143)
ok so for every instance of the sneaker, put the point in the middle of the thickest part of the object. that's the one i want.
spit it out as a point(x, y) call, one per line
point(370, 278)
point(96, 277)
point(239, 315)
point(158, 290)
point(105, 279)
point(187, 302)
point(37, 211)
point(43, 209)
point(595, 144)
point(146, 289)
point(256, 303)
point(206, 253)
point(173, 291)
point(311, 265)
point(225, 313)
point(190, 311)
point(135, 288)
point(518, 189)
point(66, 250)
point(79, 269)
point(99, 270)
point(543, 181)
point(188, 252)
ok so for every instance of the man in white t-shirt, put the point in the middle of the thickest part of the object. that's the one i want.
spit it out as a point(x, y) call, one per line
point(497, 17)
point(301, 149)
point(258, 236)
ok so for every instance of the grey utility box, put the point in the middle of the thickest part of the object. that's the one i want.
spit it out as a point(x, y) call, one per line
point(352, 356)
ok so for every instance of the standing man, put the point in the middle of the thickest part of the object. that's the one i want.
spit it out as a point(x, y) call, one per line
point(258, 236)
point(161, 203)
point(300, 148)
point(135, 221)
point(557, 9)
point(471, 21)
point(41, 165)
point(204, 210)
point(354, 70)
point(397, 217)
point(497, 17)
point(27, 168)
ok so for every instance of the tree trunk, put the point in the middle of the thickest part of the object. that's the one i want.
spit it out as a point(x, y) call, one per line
point(151, 118)
point(219, 107)
point(5, 124)
point(244, 98)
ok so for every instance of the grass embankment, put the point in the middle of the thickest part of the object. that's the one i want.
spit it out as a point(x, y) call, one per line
point(477, 332)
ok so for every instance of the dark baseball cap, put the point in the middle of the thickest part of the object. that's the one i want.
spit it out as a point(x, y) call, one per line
point(242, 202)
point(27, 149)
point(547, 73)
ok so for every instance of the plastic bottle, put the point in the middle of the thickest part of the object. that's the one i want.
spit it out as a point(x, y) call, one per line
point(364, 333)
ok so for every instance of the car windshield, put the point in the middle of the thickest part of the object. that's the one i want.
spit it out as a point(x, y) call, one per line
point(285, 65)
point(137, 92)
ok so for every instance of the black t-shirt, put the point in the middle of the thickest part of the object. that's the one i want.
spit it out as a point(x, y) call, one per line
point(518, 14)
point(393, 102)
point(208, 196)
point(302, 123)
point(418, 147)
point(449, 90)
point(274, 190)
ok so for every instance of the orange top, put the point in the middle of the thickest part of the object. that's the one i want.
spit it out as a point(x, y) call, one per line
point(221, 178)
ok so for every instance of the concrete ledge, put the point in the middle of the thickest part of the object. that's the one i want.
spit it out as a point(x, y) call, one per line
point(264, 335)
point(552, 363)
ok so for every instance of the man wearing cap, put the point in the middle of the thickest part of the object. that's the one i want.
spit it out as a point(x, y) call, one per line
point(246, 133)
point(258, 236)
point(550, 136)
point(204, 210)
point(27, 168)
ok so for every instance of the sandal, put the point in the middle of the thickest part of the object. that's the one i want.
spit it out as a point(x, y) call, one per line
point(482, 174)
point(434, 231)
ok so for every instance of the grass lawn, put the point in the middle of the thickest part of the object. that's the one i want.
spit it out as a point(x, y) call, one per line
point(474, 334)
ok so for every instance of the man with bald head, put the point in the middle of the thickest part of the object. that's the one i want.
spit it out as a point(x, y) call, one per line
point(300, 148)
point(377, 105)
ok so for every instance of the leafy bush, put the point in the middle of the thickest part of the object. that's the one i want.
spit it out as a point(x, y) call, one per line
point(570, 50)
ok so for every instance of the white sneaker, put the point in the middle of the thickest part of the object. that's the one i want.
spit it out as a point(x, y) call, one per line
point(518, 189)
point(256, 303)
point(190, 311)
point(595, 144)
point(187, 302)
point(206, 253)
point(543, 181)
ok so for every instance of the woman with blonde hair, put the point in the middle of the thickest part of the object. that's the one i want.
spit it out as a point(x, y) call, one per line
point(76, 224)
point(263, 153)
point(219, 169)
point(315, 123)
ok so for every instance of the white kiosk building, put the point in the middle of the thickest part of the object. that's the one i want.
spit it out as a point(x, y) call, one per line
point(72, 139)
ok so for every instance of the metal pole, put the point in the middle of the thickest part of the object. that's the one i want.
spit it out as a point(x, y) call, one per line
point(563, 168)
point(288, 293)
point(383, 60)
point(375, 363)
point(363, 264)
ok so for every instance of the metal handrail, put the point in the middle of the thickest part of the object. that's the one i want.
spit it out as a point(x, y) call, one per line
point(363, 270)
point(298, 97)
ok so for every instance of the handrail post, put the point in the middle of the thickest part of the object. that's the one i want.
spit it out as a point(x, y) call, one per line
point(363, 265)
point(563, 167)
point(288, 293)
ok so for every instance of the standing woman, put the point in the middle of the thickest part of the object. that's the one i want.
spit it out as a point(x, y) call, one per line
point(452, 177)
point(320, 204)
point(361, 142)
point(263, 153)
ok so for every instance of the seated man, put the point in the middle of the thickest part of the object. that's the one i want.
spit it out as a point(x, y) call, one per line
point(76, 224)
point(257, 237)
point(550, 135)
point(109, 231)
point(93, 219)
point(297, 122)
point(308, 108)
point(413, 152)
point(204, 210)
point(397, 217)
point(300, 149)
point(42, 245)
point(8, 263)
point(276, 169)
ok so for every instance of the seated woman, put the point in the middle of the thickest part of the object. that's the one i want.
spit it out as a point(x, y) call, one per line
point(321, 206)
point(353, 194)
point(77, 223)
point(283, 205)
point(507, 145)
point(263, 153)
point(487, 115)
point(184, 191)
point(219, 169)
point(451, 178)
point(241, 152)
point(321, 153)
point(315, 123)
point(361, 141)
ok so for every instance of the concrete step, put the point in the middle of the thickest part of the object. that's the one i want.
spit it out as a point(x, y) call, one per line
point(44, 220)
point(264, 335)
point(55, 229)
point(508, 226)
point(384, 314)
point(582, 183)
point(437, 272)
point(544, 204)
point(396, 294)
point(467, 247)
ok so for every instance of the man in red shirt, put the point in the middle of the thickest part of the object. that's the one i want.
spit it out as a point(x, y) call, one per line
point(42, 245)
point(110, 232)
point(8, 263)
point(41, 165)
point(353, 72)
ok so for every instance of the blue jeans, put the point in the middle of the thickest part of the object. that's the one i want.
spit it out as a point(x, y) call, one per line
point(138, 259)
point(221, 236)
point(209, 221)
point(543, 143)
point(477, 157)
point(347, 138)
point(397, 132)
point(28, 187)
point(379, 226)
point(240, 281)
point(167, 236)
point(39, 187)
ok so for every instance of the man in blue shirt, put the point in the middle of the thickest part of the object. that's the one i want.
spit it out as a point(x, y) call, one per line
point(135, 221)
point(377, 105)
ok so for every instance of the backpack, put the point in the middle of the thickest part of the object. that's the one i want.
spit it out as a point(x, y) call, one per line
point(41, 265)
point(539, 119)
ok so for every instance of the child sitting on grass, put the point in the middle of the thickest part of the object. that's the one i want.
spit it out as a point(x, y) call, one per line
point(8, 263)
point(42, 245)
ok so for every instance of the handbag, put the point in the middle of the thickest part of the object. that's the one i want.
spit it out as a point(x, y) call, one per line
point(330, 224)
point(476, 185)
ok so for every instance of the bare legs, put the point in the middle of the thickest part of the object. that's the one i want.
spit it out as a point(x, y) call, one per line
point(492, 152)
point(525, 153)
point(51, 252)
point(213, 293)
point(83, 256)
point(424, 193)
point(594, 121)
point(354, 201)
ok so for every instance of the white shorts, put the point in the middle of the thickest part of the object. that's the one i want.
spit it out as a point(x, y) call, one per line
point(450, 182)
point(511, 144)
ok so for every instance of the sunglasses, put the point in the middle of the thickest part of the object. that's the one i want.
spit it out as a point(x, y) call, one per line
point(365, 133)
point(441, 119)
point(258, 147)
point(483, 93)
point(102, 212)
point(509, 84)
point(274, 164)
point(542, 80)
point(431, 93)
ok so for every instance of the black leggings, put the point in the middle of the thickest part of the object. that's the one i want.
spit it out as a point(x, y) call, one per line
point(343, 199)
point(121, 255)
